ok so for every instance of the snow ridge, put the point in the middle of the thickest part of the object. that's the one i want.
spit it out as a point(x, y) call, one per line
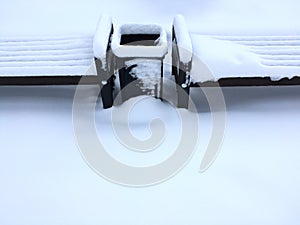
point(183, 39)
point(101, 38)
point(45, 56)
point(268, 48)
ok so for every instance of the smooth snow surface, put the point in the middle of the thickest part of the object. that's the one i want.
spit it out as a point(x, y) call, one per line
point(255, 179)
point(276, 57)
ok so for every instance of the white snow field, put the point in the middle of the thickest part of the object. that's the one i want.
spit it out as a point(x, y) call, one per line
point(254, 180)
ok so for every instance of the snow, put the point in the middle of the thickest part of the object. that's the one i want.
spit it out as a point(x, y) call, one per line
point(157, 51)
point(102, 38)
point(45, 56)
point(276, 57)
point(229, 17)
point(148, 72)
point(255, 179)
point(183, 39)
point(54, 55)
point(142, 29)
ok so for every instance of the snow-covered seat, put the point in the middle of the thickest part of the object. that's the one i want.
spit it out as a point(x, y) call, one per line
point(60, 60)
point(273, 57)
point(232, 60)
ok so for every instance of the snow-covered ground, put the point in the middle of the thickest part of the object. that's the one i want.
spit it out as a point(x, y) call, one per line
point(254, 180)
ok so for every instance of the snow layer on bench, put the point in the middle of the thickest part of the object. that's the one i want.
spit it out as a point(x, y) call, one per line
point(253, 181)
point(276, 57)
point(148, 73)
point(101, 38)
point(45, 56)
point(183, 39)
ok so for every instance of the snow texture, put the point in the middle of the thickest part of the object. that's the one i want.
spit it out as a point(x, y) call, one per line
point(148, 72)
point(276, 57)
point(255, 179)
point(54, 55)
point(101, 38)
point(157, 51)
point(43, 56)
point(183, 39)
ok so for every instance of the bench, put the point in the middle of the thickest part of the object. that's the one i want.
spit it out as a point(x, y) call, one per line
point(219, 60)
point(60, 60)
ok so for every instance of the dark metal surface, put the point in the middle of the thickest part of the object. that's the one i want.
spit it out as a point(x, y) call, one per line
point(47, 80)
point(252, 81)
point(139, 39)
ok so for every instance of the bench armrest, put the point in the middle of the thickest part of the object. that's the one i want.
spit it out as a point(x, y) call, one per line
point(182, 56)
point(102, 41)
point(182, 40)
point(104, 59)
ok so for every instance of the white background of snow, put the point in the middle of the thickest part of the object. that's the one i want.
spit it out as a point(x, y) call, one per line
point(44, 180)
point(43, 17)
point(255, 179)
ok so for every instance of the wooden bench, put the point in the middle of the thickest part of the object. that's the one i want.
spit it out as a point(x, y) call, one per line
point(60, 60)
point(217, 60)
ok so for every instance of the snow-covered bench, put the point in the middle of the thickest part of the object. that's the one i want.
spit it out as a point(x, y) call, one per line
point(139, 51)
point(209, 60)
point(60, 60)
